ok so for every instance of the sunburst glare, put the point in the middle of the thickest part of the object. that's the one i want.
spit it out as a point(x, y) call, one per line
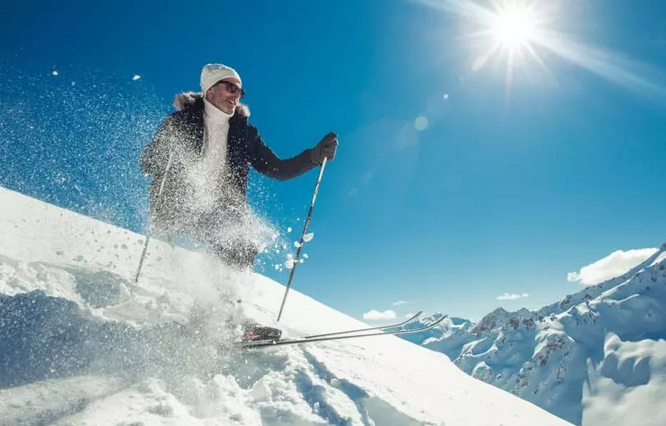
point(514, 27)
point(507, 32)
point(518, 32)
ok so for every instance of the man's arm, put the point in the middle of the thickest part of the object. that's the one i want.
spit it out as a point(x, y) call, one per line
point(264, 160)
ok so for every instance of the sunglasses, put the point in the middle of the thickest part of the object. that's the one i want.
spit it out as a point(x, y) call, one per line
point(233, 88)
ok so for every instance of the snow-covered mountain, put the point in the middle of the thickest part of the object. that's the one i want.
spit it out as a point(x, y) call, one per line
point(448, 337)
point(595, 357)
point(81, 344)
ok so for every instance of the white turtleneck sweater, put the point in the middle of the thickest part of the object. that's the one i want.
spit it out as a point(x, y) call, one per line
point(216, 131)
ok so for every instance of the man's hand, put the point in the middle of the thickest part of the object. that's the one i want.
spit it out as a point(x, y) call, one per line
point(325, 149)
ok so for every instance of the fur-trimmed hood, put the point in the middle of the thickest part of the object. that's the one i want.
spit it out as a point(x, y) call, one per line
point(187, 100)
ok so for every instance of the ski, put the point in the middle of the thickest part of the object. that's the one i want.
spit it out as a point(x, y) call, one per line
point(304, 340)
point(361, 330)
point(257, 333)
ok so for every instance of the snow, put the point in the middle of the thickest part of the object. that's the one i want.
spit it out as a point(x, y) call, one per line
point(290, 262)
point(82, 344)
point(594, 357)
point(626, 383)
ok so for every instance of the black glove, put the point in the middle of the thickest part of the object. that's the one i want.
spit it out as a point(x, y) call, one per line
point(325, 149)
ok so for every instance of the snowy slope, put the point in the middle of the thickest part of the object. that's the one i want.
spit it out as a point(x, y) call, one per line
point(80, 344)
point(595, 357)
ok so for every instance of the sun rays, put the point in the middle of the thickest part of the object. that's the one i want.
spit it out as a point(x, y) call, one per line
point(518, 33)
point(507, 33)
point(514, 27)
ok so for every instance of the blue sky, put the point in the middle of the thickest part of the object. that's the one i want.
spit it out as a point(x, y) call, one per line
point(457, 179)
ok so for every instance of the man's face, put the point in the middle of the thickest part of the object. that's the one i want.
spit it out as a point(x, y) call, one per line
point(225, 95)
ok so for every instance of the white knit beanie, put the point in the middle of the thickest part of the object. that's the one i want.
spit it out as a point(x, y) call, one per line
point(212, 73)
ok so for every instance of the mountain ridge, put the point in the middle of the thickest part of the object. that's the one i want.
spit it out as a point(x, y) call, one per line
point(546, 356)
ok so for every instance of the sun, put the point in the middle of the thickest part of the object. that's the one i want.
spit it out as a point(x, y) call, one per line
point(523, 33)
point(511, 32)
point(514, 28)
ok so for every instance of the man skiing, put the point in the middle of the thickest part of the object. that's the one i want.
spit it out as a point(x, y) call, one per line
point(199, 160)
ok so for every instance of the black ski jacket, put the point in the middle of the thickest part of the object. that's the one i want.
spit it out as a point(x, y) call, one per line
point(182, 135)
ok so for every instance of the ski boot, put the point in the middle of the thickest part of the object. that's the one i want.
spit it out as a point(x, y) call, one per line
point(256, 332)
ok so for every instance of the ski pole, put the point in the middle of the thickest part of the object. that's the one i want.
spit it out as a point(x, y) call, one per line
point(302, 241)
point(159, 196)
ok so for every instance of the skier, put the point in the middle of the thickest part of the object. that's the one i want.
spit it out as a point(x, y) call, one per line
point(199, 160)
